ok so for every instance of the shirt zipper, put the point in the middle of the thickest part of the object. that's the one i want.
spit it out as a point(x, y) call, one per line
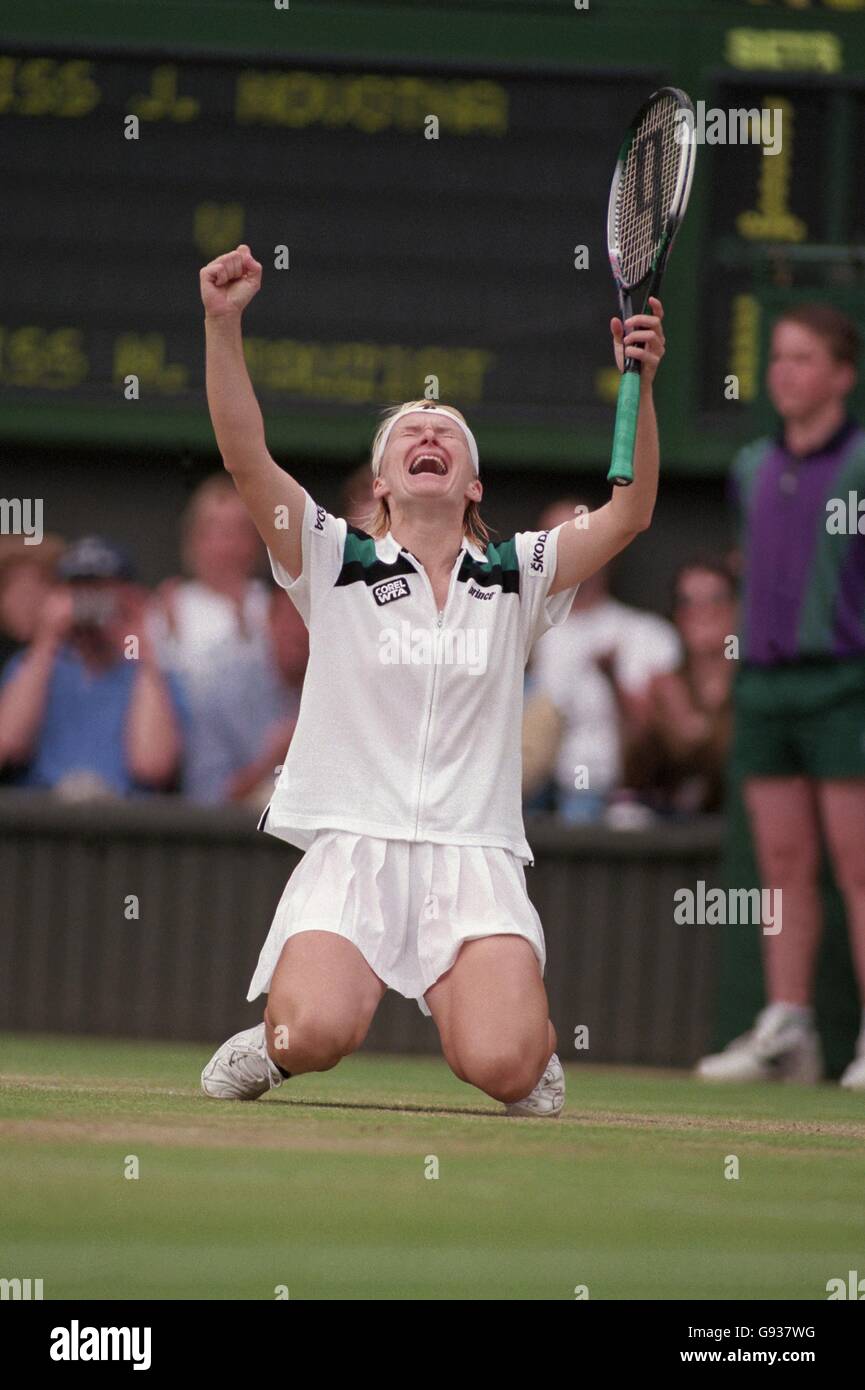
point(439, 621)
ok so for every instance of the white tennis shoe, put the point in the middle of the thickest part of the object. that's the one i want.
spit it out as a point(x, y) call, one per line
point(853, 1076)
point(782, 1046)
point(241, 1069)
point(548, 1097)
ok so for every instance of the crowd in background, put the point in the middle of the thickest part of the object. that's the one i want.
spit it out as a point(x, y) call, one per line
point(111, 689)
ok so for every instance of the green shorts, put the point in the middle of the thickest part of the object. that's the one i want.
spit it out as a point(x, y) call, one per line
point(802, 719)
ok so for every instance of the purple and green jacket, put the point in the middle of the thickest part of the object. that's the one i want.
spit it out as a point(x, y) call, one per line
point(803, 586)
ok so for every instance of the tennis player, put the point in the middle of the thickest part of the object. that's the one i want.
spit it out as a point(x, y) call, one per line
point(402, 782)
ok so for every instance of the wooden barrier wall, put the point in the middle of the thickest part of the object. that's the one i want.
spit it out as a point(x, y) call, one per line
point(74, 957)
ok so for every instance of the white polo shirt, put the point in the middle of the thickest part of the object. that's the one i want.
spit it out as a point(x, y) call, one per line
point(410, 718)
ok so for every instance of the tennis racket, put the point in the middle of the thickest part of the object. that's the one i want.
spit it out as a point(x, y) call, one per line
point(648, 198)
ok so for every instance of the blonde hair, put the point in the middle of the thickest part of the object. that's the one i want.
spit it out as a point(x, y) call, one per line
point(377, 522)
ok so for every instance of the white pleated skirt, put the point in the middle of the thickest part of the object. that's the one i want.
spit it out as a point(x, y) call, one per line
point(407, 906)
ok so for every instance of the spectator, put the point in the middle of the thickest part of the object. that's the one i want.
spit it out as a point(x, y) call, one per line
point(218, 616)
point(244, 727)
point(595, 670)
point(677, 763)
point(800, 690)
point(76, 713)
point(26, 577)
point(542, 731)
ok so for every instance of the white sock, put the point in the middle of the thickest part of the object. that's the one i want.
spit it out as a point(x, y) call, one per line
point(803, 1013)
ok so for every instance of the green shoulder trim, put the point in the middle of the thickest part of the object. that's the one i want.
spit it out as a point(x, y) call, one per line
point(502, 556)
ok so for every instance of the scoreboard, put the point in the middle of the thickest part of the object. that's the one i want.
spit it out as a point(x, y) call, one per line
point(426, 226)
point(794, 202)
point(395, 250)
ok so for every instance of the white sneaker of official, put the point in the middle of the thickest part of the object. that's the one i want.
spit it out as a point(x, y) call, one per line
point(548, 1097)
point(241, 1069)
point(782, 1046)
point(853, 1076)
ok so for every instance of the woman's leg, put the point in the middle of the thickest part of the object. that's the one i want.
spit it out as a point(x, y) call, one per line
point(321, 1001)
point(842, 807)
point(493, 1018)
point(785, 827)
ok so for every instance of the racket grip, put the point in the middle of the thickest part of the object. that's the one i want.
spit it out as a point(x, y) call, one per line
point(625, 434)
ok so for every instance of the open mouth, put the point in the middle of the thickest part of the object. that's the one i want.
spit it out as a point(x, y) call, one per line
point(428, 463)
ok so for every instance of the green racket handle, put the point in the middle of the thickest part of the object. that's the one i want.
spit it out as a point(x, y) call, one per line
point(625, 435)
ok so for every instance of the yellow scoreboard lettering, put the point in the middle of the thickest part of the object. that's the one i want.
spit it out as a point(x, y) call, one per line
point(218, 227)
point(53, 358)
point(784, 50)
point(481, 106)
point(47, 87)
point(745, 344)
point(362, 372)
point(143, 355)
point(466, 372)
point(369, 102)
point(772, 220)
point(164, 102)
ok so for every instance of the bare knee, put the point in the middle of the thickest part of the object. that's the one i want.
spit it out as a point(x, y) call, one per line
point(505, 1073)
point(786, 863)
point(848, 865)
point(311, 1041)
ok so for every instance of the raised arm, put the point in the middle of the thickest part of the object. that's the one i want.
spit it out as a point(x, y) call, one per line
point(586, 545)
point(271, 495)
point(24, 697)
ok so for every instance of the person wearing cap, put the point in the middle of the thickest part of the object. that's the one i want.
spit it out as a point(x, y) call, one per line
point(402, 783)
point(85, 710)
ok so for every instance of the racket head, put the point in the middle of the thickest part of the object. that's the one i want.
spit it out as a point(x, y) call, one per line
point(651, 186)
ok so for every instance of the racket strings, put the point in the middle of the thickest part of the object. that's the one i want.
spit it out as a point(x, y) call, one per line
point(648, 187)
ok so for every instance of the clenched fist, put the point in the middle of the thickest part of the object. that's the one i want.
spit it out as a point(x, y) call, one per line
point(230, 282)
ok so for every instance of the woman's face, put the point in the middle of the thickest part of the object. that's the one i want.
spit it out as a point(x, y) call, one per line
point(803, 376)
point(705, 611)
point(426, 456)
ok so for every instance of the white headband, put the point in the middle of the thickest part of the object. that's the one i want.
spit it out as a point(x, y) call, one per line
point(430, 410)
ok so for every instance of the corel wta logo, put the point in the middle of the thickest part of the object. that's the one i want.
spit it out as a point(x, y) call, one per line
point(320, 514)
point(537, 565)
point(77, 1343)
point(390, 590)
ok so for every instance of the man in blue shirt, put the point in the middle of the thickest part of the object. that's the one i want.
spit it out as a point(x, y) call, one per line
point(85, 706)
